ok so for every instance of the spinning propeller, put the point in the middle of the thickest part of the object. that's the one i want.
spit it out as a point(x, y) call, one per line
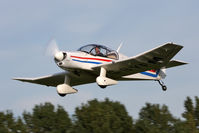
point(53, 50)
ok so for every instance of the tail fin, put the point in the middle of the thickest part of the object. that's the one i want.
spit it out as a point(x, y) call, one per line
point(162, 73)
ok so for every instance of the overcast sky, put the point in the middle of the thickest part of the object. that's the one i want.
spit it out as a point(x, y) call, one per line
point(27, 26)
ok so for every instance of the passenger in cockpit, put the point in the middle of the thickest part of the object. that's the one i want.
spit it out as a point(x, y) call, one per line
point(98, 52)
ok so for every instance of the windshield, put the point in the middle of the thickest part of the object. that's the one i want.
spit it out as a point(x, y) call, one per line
point(99, 50)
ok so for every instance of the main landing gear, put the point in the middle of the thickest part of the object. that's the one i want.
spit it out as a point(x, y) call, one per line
point(164, 87)
point(103, 81)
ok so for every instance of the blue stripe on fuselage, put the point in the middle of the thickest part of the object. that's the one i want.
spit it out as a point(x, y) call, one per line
point(87, 61)
point(150, 74)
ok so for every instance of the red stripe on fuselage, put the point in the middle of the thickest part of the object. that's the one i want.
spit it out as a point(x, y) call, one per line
point(91, 58)
point(152, 71)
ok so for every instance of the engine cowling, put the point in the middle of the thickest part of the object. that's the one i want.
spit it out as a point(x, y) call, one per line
point(64, 89)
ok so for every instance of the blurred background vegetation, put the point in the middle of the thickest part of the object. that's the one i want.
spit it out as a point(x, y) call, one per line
point(102, 117)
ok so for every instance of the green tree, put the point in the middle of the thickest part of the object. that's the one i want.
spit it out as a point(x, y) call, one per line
point(46, 119)
point(102, 117)
point(154, 118)
point(9, 124)
point(190, 115)
point(4, 126)
point(196, 111)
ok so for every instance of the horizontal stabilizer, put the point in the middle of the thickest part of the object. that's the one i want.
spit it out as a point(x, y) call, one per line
point(174, 63)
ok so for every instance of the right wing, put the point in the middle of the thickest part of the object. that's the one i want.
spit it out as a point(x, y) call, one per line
point(156, 58)
point(58, 78)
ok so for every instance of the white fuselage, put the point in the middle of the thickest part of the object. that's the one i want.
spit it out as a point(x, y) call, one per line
point(82, 60)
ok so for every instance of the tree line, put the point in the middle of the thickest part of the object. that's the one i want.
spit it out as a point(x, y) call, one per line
point(102, 117)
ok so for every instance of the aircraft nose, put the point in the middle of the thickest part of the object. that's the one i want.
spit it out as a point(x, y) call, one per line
point(60, 56)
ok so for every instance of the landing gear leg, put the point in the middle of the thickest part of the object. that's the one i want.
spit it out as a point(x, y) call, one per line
point(164, 87)
point(65, 88)
point(102, 74)
point(103, 81)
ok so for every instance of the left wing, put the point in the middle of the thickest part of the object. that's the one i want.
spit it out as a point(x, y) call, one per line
point(156, 58)
point(58, 78)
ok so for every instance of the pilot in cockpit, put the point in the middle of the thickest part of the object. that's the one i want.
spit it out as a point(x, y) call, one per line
point(98, 52)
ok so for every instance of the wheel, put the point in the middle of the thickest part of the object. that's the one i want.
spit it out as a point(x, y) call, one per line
point(102, 86)
point(164, 88)
point(62, 95)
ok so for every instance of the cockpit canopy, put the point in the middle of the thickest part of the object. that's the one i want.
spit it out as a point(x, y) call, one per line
point(99, 50)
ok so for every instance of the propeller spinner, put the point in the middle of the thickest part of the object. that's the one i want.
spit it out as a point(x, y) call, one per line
point(59, 56)
point(53, 50)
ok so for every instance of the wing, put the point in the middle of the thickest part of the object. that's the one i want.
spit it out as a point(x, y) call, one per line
point(153, 59)
point(58, 78)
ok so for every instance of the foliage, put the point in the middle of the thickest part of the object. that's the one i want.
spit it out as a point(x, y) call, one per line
point(46, 119)
point(154, 118)
point(102, 116)
point(191, 115)
point(9, 124)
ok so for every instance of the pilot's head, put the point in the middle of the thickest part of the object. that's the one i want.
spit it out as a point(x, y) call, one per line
point(97, 50)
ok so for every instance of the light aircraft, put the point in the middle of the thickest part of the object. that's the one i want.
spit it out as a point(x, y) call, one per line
point(97, 63)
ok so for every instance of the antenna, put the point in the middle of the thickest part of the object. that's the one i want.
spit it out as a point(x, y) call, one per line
point(118, 49)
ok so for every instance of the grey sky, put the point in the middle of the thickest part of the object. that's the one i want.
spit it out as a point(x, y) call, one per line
point(27, 26)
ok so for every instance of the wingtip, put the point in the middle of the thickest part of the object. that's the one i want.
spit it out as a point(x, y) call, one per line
point(171, 43)
point(21, 79)
point(14, 78)
point(18, 79)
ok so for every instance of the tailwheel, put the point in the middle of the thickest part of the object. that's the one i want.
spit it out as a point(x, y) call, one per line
point(164, 87)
